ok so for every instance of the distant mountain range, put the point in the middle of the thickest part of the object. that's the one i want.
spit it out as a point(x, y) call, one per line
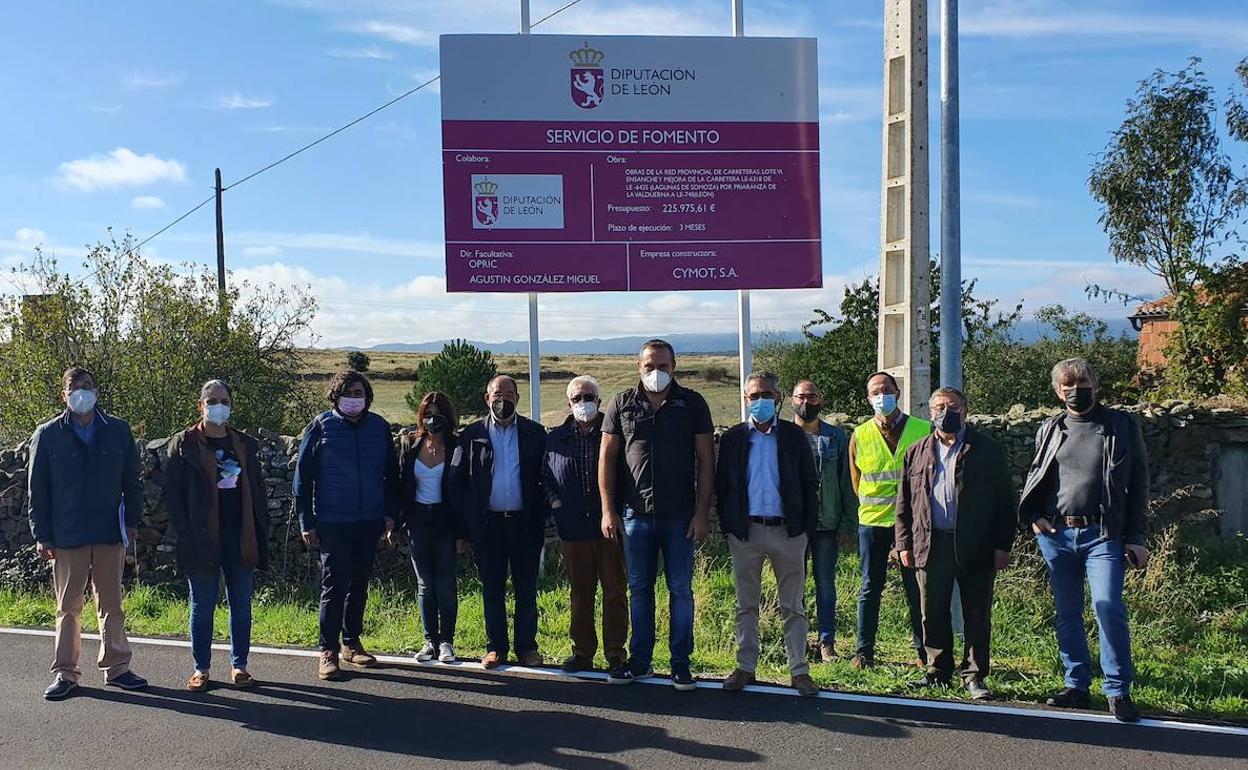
point(725, 343)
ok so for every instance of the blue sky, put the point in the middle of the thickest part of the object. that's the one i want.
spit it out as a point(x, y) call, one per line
point(120, 111)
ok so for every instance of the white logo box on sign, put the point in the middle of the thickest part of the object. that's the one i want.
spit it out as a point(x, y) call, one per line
point(517, 201)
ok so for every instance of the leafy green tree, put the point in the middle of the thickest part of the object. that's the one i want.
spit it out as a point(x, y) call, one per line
point(1170, 203)
point(461, 371)
point(358, 360)
point(152, 335)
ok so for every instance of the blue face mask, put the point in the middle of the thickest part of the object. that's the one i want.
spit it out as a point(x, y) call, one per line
point(884, 403)
point(763, 410)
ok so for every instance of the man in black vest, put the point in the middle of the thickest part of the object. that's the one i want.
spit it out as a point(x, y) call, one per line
point(496, 475)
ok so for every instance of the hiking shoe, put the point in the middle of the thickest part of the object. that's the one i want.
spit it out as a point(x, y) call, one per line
point(60, 688)
point(630, 672)
point(446, 653)
point(738, 680)
point(862, 662)
point(804, 685)
point(1123, 708)
point(576, 663)
point(978, 690)
point(682, 680)
point(929, 680)
point(128, 681)
point(356, 655)
point(493, 660)
point(328, 668)
point(198, 682)
point(1069, 698)
point(532, 658)
point(241, 679)
point(827, 651)
point(426, 653)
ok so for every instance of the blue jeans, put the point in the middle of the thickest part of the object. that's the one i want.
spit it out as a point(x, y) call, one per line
point(824, 552)
point(1073, 554)
point(206, 589)
point(347, 554)
point(874, 544)
point(645, 537)
point(434, 559)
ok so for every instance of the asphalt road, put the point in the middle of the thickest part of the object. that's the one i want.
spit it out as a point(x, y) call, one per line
point(405, 715)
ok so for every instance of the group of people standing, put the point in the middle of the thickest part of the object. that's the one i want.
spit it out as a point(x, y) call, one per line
point(628, 486)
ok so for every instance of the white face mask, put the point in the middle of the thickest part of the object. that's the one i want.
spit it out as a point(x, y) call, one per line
point(81, 401)
point(656, 380)
point(584, 411)
point(217, 414)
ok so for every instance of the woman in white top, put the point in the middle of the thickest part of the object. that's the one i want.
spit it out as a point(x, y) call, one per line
point(430, 523)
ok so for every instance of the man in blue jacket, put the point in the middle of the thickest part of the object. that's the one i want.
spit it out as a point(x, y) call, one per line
point(496, 474)
point(85, 500)
point(570, 473)
point(346, 483)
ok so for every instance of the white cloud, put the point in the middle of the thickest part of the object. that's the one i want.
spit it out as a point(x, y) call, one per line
point(120, 168)
point(1012, 20)
point(356, 243)
point(147, 202)
point(262, 251)
point(139, 81)
point(108, 109)
point(30, 235)
point(365, 52)
point(395, 32)
point(238, 101)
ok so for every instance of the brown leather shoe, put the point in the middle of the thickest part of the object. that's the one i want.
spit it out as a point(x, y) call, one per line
point(861, 663)
point(738, 679)
point(804, 685)
point(577, 663)
point(328, 668)
point(533, 658)
point(356, 655)
point(492, 660)
point(198, 682)
point(827, 651)
point(241, 679)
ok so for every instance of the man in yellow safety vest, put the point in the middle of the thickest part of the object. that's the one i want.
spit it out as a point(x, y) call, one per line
point(877, 449)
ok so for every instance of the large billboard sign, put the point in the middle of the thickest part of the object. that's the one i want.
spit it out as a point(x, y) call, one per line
point(630, 163)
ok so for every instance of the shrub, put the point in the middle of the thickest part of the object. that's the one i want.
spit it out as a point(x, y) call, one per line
point(461, 371)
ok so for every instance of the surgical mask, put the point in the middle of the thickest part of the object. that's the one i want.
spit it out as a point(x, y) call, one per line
point(435, 423)
point(584, 411)
point(1079, 399)
point(884, 403)
point(81, 401)
point(763, 410)
point(656, 380)
point(948, 421)
point(217, 414)
point(502, 409)
point(351, 407)
point(807, 411)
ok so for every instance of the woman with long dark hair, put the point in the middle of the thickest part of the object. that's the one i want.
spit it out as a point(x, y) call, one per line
point(430, 523)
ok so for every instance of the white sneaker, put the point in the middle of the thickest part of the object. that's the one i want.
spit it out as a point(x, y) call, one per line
point(446, 653)
point(426, 653)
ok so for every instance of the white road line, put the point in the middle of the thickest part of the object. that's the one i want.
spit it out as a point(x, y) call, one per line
point(933, 705)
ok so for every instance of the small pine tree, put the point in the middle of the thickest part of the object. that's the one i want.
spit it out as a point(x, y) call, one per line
point(461, 371)
point(358, 360)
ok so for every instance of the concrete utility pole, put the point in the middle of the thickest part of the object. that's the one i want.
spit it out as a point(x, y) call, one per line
point(220, 247)
point(905, 293)
point(745, 342)
point(950, 202)
point(535, 354)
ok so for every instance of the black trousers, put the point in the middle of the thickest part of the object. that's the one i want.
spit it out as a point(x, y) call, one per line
point(936, 580)
point(510, 543)
point(347, 555)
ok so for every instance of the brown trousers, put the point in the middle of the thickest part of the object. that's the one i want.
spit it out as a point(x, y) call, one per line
point(936, 583)
point(589, 564)
point(71, 569)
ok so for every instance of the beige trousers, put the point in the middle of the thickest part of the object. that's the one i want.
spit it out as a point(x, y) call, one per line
point(71, 569)
point(788, 561)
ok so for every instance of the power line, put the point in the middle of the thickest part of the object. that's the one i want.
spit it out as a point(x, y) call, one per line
point(555, 13)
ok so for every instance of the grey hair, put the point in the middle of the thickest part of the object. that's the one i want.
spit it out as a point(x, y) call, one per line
point(210, 384)
point(1079, 367)
point(583, 379)
point(764, 376)
point(948, 391)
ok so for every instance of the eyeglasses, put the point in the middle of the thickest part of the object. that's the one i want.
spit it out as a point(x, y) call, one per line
point(760, 396)
point(578, 398)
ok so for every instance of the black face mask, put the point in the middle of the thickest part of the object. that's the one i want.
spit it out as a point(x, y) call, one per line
point(807, 411)
point(435, 423)
point(1079, 399)
point(502, 409)
point(948, 422)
